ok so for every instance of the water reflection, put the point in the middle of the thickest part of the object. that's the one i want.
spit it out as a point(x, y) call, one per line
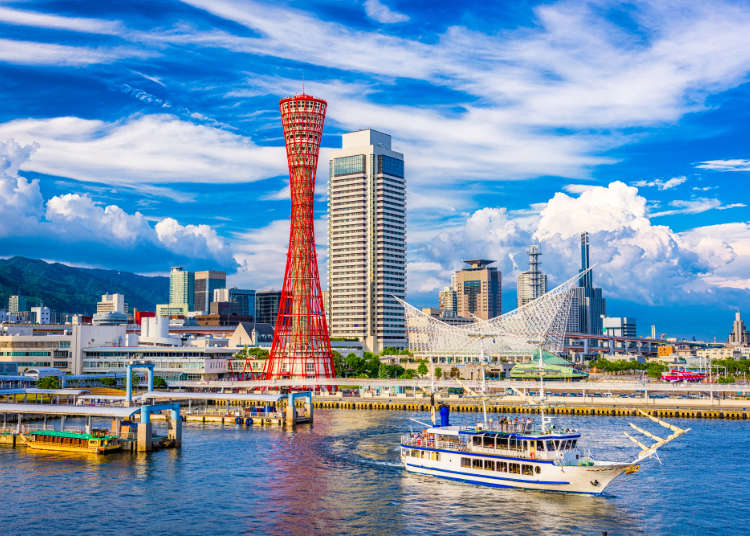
point(342, 476)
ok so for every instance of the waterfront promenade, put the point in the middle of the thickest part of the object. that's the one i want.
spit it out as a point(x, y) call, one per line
point(696, 400)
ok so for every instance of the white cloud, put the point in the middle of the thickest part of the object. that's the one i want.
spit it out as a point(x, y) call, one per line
point(737, 164)
point(20, 200)
point(79, 215)
point(35, 53)
point(191, 240)
point(660, 183)
point(145, 148)
point(695, 206)
point(378, 11)
point(45, 20)
point(77, 218)
point(635, 259)
point(578, 188)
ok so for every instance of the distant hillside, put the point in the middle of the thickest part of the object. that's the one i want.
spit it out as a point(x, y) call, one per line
point(76, 290)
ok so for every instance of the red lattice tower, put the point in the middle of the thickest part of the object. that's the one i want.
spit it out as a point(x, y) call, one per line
point(301, 347)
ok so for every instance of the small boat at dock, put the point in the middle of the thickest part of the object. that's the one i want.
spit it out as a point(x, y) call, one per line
point(98, 442)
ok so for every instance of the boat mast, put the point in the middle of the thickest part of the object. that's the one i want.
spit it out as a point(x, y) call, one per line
point(542, 396)
point(484, 379)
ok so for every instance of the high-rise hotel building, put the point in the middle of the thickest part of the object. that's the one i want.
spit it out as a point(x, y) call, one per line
point(367, 240)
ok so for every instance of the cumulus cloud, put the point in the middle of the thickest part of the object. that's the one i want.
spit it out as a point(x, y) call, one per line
point(378, 11)
point(75, 218)
point(191, 240)
point(20, 199)
point(78, 213)
point(660, 183)
point(635, 259)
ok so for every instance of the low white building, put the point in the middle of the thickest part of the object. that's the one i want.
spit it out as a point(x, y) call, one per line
point(170, 362)
point(59, 350)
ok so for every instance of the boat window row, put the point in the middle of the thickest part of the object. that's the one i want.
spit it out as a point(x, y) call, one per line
point(511, 442)
point(427, 454)
point(500, 466)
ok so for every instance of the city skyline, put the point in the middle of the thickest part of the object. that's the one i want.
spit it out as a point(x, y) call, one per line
point(173, 168)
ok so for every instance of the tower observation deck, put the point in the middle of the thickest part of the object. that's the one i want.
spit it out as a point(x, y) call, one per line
point(301, 347)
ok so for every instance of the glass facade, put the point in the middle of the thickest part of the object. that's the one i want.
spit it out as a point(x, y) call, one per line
point(348, 165)
point(391, 166)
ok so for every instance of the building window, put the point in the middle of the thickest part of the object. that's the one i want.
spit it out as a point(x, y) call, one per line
point(348, 165)
point(390, 166)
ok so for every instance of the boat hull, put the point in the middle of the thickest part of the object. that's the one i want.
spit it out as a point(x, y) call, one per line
point(590, 480)
point(52, 447)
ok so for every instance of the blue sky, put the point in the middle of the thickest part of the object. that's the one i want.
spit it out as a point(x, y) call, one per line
point(136, 135)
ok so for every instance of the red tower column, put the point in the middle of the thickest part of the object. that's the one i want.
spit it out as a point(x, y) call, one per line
point(301, 347)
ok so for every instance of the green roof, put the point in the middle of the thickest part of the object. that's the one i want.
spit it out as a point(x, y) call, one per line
point(555, 367)
point(74, 435)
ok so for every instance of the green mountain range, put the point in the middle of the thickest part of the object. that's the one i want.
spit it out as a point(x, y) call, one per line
point(76, 290)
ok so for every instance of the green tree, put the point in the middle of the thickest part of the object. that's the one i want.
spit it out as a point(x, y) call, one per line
point(408, 374)
point(160, 383)
point(48, 382)
point(438, 373)
point(109, 382)
point(422, 368)
point(655, 369)
point(252, 353)
point(454, 372)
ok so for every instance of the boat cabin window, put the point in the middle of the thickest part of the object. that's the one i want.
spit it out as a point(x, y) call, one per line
point(540, 445)
point(476, 463)
point(550, 445)
point(465, 462)
point(502, 467)
point(514, 468)
point(489, 465)
point(527, 469)
point(537, 469)
point(477, 440)
point(489, 441)
point(573, 443)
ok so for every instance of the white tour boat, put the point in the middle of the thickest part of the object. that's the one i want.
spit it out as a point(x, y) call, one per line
point(519, 454)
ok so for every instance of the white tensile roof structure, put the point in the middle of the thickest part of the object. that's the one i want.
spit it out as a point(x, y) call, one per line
point(521, 331)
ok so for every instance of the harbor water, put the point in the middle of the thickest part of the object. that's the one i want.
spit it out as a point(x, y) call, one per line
point(342, 476)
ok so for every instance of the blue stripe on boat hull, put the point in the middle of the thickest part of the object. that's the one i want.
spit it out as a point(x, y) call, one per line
point(498, 485)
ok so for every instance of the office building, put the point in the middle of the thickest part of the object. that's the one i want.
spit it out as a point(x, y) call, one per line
point(478, 290)
point(112, 303)
point(588, 305)
point(17, 304)
point(244, 297)
point(206, 282)
point(367, 240)
point(267, 306)
point(619, 326)
point(41, 315)
point(172, 309)
point(182, 288)
point(739, 335)
point(448, 300)
point(532, 283)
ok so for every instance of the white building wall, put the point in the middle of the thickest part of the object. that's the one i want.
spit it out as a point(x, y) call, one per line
point(367, 243)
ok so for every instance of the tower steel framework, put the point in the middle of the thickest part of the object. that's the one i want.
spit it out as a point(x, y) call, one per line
point(301, 347)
